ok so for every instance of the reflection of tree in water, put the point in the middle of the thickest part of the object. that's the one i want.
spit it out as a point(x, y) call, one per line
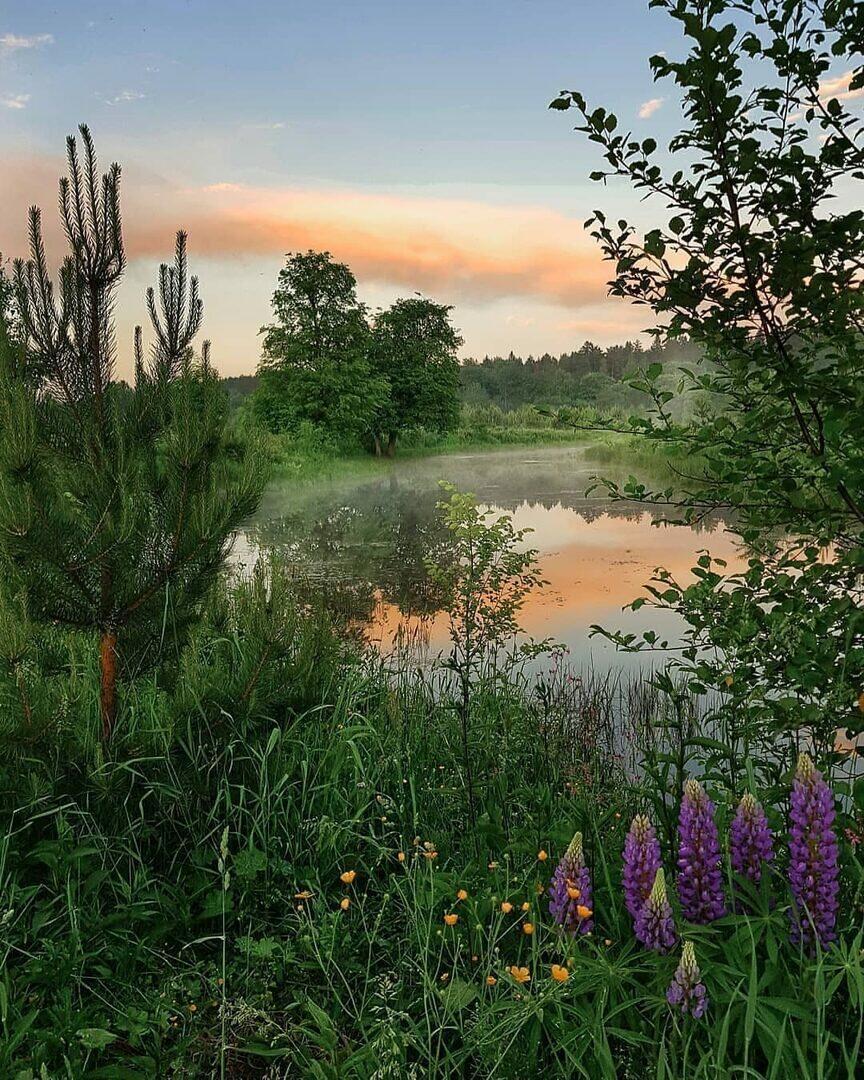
point(361, 548)
point(352, 557)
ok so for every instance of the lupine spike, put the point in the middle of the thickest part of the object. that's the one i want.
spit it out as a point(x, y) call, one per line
point(700, 879)
point(570, 894)
point(750, 839)
point(655, 926)
point(813, 869)
point(641, 863)
point(687, 991)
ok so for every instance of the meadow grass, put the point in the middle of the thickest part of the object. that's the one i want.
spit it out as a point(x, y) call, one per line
point(256, 882)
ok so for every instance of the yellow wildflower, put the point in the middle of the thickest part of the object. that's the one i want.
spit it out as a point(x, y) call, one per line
point(560, 974)
point(520, 974)
point(347, 876)
point(451, 919)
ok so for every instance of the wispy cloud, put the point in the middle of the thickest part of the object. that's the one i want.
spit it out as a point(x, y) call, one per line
point(648, 108)
point(464, 251)
point(838, 87)
point(15, 42)
point(275, 125)
point(124, 97)
point(14, 101)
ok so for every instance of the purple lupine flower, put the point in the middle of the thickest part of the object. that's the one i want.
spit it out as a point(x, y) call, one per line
point(700, 880)
point(812, 858)
point(570, 895)
point(654, 926)
point(641, 863)
point(687, 991)
point(750, 840)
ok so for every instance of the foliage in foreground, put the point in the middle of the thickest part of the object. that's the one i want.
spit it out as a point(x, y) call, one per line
point(263, 880)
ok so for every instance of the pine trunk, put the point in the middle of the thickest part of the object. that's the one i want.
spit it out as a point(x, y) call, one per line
point(108, 689)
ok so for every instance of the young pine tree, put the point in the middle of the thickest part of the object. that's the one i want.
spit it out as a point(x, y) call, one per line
point(117, 503)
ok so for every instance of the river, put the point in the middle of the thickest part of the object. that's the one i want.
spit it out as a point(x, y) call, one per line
point(358, 543)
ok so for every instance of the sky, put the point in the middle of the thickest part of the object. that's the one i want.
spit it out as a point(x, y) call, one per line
point(412, 140)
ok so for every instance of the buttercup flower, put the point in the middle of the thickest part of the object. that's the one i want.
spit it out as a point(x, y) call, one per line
point(750, 839)
point(700, 879)
point(528, 928)
point(641, 863)
point(347, 876)
point(520, 974)
point(654, 926)
point(570, 898)
point(451, 919)
point(542, 855)
point(491, 980)
point(462, 894)
point(345, 903)
point(687, 991)
point(559, 973)
point(812, 858)
point(506, 907)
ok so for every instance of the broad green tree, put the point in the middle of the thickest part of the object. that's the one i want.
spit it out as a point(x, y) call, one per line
point(415, 346)
point(759, 263)
point(117, 503)
point(316, 365)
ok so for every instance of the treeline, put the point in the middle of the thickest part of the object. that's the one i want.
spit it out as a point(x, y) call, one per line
point(589, 375)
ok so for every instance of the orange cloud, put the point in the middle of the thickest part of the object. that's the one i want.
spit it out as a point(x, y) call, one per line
point(838, 87)
point(458, 249)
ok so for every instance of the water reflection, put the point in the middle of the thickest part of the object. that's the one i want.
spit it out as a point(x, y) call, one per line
point(359, 546)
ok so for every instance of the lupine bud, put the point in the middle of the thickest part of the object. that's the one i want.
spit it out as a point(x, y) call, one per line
point(570, 897)
point(812, 858)
point(700, 880)
point(687, 991)
point(641, 863)
point(655, 927)
point(750, 841)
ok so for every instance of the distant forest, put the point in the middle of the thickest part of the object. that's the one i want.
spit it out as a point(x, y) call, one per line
point(588, 375)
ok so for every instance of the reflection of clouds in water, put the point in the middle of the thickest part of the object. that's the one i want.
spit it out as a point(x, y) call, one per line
point(362, 543)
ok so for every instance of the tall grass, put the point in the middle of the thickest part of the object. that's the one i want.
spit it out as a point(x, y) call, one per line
point(178, 910)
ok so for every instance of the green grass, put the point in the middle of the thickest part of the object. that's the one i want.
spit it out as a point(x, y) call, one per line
point(177, 909)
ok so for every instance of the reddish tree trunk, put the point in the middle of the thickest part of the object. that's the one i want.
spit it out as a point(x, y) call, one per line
point(108, 688)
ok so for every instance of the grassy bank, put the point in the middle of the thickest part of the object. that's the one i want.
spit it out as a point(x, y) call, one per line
point(276, 874)
point(307, 456)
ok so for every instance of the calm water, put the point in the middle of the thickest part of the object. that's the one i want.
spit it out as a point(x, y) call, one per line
point(359, 544)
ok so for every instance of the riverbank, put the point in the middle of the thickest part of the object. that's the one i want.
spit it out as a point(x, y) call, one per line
point(306, 460)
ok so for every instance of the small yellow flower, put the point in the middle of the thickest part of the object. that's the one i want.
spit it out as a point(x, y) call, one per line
point(193, 1007)
point(304, 895)
point(401, 856)
point(539, 889)
point(560, 974)
point(528, 928)
point(430, 855)
point(347, 876)
point(729, 680)
point(462, 894)
point(491, 980)
point(573, 893)
point(451, 919)
point(520, 974)
point(583, 912)
point(345, 903)
point(607, 941)
point(542, 855)
point(506, 907)
point(526, 906)
point(445, 975)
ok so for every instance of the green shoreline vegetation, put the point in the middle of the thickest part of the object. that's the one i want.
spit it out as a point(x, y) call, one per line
point(237, 843)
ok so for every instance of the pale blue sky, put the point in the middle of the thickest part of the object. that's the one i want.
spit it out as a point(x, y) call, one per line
point(439, 107)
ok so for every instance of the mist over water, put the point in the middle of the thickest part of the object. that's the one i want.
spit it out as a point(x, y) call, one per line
point(358, 544)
